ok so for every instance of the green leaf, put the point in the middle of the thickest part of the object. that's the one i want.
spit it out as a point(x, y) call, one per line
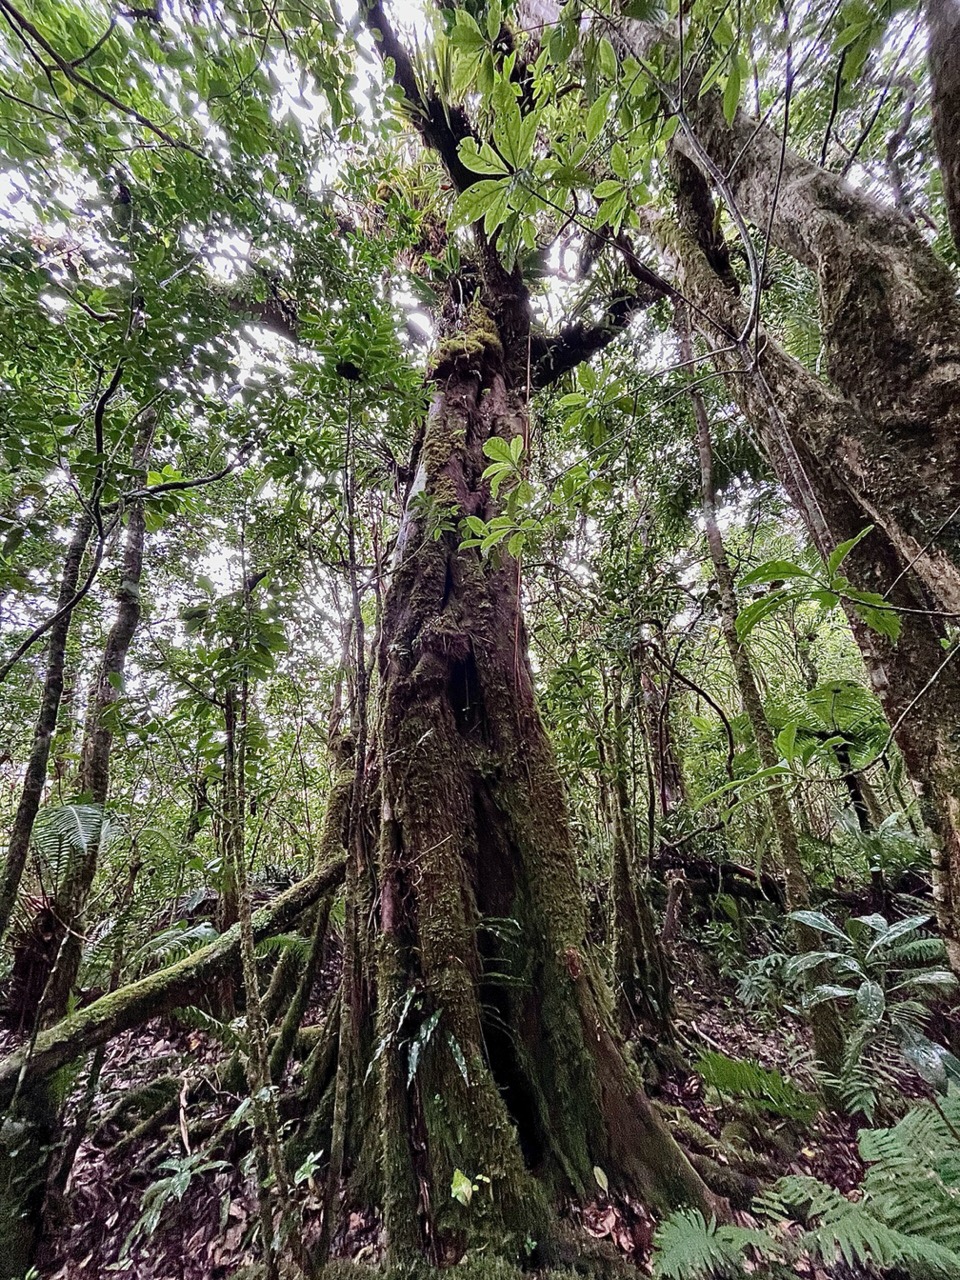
point(787, 741)
point(607, 58)
point(875, 612)
point(808, 960)
point(896, 931)
point(840, 553)
point(827, 991)
point(482, 158)
point(498, 449)
point(494, 19)
point(731, 91)
point(466, 35)
point(773, 571)
point(597, 115)
point(601, 1178)
point(474, 203)
point(461, 1187)
point(755, 613)
point(823, 924)
point(775, 771)
point(619, 162)
point(850, 34)
point(871, 1000)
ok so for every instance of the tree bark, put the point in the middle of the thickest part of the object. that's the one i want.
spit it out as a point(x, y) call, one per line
point(98, 732)
point(943, 25)
point(891, 326)
point(917, 681)
point(36, 774)
point(498, 1054)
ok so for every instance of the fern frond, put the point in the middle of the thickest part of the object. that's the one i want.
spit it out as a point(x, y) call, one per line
point(852, 1233)
point(689, 1247)
point(171, 944)
point(767, 1090)
point(295, 942)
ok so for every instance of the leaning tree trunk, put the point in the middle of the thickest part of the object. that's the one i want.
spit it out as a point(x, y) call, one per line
point(943, 24)
point(797, 418)
point(497, 1052)
point(35, 777)
point(890, 317)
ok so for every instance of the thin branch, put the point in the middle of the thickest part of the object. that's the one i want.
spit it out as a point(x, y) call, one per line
point(23, 27)
point(40, 631)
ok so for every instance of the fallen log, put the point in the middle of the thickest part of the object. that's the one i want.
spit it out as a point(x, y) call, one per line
point(159, 992)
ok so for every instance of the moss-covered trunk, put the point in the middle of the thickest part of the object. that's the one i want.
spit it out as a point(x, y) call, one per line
point(502, 1076)
point(890, 317)
point(802, 423)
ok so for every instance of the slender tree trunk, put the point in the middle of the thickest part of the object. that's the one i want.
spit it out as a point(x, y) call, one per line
point(824, 1021)
point(667, 774)
point(915, 677)
point(641, 977)
point(498, 1055)
point(943, 25)
point(94, 779)
point(98, 731)
point(36, 775)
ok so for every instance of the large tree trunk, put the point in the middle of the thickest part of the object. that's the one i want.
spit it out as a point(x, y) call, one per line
point(943, 25)
point(794, 413)
point(891, 327)
point(498, 1054)
point(35, 778)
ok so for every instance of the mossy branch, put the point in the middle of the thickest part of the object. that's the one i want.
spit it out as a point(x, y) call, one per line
point(177, 984)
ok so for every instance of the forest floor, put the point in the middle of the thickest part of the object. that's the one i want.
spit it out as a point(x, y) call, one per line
point(110, 1224)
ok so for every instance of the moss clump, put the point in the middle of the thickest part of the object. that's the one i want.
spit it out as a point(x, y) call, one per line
point(467, 348)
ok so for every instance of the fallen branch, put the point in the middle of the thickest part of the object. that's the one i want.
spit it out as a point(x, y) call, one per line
point(176, 985)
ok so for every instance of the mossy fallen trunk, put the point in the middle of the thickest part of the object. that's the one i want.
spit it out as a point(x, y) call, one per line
point(158, 993)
